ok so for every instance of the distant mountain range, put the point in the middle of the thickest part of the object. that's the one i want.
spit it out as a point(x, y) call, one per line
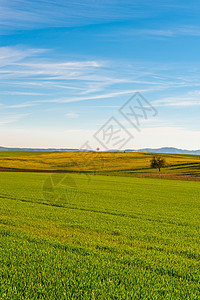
point(169, 150)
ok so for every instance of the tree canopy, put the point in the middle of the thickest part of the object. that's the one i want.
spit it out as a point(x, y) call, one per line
point(158, 163)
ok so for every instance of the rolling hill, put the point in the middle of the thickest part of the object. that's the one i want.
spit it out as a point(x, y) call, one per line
point(118, 163)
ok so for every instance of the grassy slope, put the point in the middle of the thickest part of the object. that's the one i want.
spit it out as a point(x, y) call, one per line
point(100, 162)
point(119, 238)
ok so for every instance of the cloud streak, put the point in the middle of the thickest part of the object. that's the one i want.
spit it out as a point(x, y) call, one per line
point(166, 32)
point(11, 118)
point(28, 14)
point(190, 99)
point(43, 82)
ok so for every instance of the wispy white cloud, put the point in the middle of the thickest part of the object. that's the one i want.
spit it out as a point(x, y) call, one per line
point(65, 70)
point(21, 67)
point(191, 98)
point(11, 55)
point(28, 14)
point(15, 93)
point(94, 97)
point(11, 118)
point(24, 73)
point(167, 32)
point(77, 77)
point(74, 99)
point(21, 105)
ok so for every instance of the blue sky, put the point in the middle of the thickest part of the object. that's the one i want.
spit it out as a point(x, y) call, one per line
point(67, 67)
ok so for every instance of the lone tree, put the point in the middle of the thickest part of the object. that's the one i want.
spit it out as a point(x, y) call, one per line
point(158, 163)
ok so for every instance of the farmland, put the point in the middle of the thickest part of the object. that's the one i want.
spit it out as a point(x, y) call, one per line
point(98, 162)
point(110, 237)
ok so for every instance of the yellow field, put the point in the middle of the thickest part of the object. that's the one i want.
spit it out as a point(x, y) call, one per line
point(98, 162)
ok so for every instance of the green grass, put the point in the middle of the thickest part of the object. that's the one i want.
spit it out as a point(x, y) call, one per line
point(18, 153)
point(119, 238)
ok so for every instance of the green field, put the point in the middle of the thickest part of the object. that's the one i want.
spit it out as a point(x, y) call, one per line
point(109, 238)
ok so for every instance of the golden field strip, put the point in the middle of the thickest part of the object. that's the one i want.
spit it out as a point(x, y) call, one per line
point(100, 162)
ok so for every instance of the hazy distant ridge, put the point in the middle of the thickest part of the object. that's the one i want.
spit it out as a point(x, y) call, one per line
point(169, 150)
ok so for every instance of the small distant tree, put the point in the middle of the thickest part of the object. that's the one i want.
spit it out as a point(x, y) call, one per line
point(158, 163)
point(98, 149)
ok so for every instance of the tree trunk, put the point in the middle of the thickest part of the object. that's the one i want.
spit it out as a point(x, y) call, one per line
point(159, 169)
